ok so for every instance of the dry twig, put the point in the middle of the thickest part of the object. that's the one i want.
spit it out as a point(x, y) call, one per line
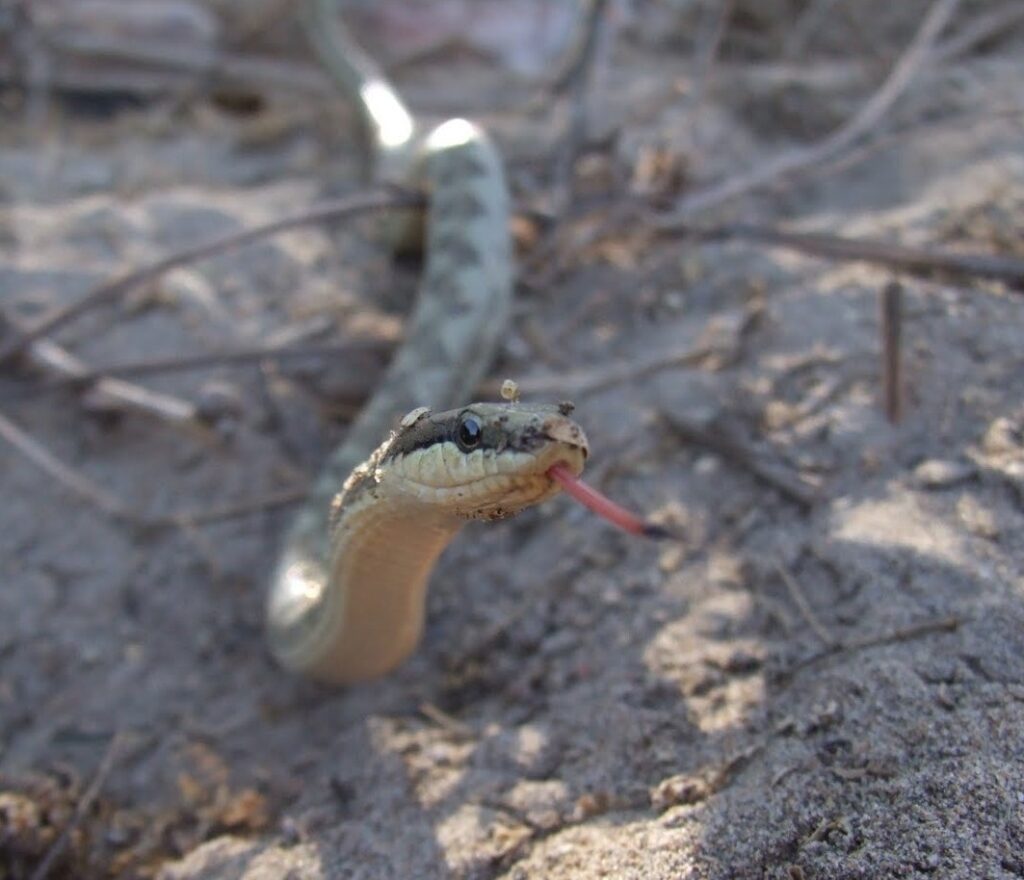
point(723, 440)
point(271, 501)
point(578, 88)
point(800, 600)
point(115, 508)
point(975, 119)
point(110, 290)
point(890, 326)
point(901, 634)
point(575, 59)
point(720, 342)
point(445, 720)
point(709, 48)
point(867, 118)
point(67, 368)
point(985, 27)
point(161, 60)
point(593, 379)
point(64, 474)
point(775, 75)
point(238, 357)
point(83, 806)
point(914, 260)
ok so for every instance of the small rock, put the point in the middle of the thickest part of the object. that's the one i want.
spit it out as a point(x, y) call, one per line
point(1002, 437)
point(976, 519)
point(220, 406)
point(727, 570)
point(680, 789)
point(937, 473)
point(591, 804)
point(742, 662)
point(559, 643)
point(543, 804)
point(778, 414)
point(703, 682)
point(671, 558)
point(823, 717)
point(706, 465)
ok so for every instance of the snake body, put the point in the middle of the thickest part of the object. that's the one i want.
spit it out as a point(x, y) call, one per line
point(347, 595)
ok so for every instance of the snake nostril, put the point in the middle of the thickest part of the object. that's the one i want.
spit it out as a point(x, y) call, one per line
point(563, 430)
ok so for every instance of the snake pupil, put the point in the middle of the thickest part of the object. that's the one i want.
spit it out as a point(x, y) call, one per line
point(470, 433)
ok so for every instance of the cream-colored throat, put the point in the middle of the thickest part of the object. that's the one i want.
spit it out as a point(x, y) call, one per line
point(372, 615)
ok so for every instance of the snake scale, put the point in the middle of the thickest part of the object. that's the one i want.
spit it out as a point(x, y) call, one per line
point(346, 598)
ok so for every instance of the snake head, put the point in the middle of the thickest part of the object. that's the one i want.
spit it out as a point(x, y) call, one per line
point(482, 461)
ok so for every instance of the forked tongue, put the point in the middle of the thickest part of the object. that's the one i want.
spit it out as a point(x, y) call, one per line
point(604, 507)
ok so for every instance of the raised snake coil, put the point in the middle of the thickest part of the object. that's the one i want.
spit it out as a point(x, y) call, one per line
point(346, 597)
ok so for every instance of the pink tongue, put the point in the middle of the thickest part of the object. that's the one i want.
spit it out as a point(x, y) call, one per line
point(602, 506)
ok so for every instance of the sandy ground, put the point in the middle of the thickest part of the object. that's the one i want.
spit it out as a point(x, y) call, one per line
point(793, 690)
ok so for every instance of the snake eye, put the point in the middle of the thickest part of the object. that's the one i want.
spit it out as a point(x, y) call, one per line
point(470, 434)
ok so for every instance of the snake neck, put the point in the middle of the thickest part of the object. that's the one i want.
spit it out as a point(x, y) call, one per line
point(337, 608)
point(362, 615)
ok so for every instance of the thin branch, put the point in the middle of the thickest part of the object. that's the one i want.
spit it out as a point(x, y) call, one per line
point(64, 474)
point(708, 54)
point(239, 357)
point(574, 60)
point(724, 440)
point(890, 329)
point(69, 369)
point(917, 53)
point(775, 75)
point(915, 260)
point(83, 806)
point(594, 28)
point(901, 634)
point(115, 508)
point(445, 721)
point(809, 20)
point(222, 66)
point(984, 27)
point(591, 380)
point(110, 290)
point(719, 343)
point(800, 600)
point(975, 119)
point(271, 501)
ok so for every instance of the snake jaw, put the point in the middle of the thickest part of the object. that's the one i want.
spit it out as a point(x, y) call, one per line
point(564, 431)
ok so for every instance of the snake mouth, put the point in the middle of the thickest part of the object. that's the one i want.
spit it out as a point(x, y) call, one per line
point(566, 438)
point(488, 485)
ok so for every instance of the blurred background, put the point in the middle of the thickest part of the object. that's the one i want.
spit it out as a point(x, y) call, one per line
point(772, 249)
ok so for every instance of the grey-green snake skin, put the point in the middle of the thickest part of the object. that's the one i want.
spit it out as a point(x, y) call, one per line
point(347, 594)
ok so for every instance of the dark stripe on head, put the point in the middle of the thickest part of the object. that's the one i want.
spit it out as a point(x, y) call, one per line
point(426, 431)
point(502, 426)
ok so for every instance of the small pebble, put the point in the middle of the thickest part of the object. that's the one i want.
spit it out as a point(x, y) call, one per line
point(1002, 437)
point(681, 789)
point(937, 473)
point(706, 465)
point(976, 519)
point(219, 400)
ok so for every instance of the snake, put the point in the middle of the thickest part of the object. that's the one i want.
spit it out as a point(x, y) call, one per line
point(347, 595)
